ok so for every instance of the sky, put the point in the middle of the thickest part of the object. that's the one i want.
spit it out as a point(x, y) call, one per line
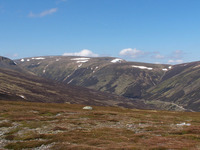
point(153, 31)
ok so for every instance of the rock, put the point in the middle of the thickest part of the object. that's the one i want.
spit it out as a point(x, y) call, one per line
point(87, 108)
point(183, 124)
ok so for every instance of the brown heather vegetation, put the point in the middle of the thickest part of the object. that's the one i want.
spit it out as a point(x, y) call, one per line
point(25, 125)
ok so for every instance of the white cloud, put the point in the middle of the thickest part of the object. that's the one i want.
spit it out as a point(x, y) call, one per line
point(131, 52)
point(84, 52)
point(158, 56)
point(177, 54)
point(176, 57)
point(178, 61)
point(44, 13)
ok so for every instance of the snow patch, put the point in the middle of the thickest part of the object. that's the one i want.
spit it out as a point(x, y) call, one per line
point(22, 96)
point(142, 67)
point(95, 69)
point(82, 61)
point(44, 70)
point(80, 65)
point(183, 124)
point(46, 67)
point(81, 58)
point(57, 59)
point(170, 67)
point(28, 60)
point(22, 60)
point(165, 69)
point(117, 60)
point(70, 81)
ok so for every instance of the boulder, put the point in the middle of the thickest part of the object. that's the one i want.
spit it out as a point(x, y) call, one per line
point(87, 108)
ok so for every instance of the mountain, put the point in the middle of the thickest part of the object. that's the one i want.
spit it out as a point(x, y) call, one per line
point(7, 63)
point(180, 85)
point(19, 85)
point(163, 86)
point(113, 75)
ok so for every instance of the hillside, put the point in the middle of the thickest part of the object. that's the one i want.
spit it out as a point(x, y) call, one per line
point(180, 85)
point(43, 126)
point(113, 75)
point(165, 87)
point(24, 86)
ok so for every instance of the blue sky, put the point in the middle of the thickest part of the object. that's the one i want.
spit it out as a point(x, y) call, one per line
point(154, 31)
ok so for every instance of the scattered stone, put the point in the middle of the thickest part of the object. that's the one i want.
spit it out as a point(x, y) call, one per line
point(183, 124)
point(58, 114)
point(44, 147)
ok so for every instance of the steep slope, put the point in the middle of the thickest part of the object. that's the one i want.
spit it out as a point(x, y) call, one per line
point(7, 63)
point(21, 85)
point(113, 75)
point(180, 85)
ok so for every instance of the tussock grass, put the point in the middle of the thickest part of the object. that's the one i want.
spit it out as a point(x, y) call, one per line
point(26, 144)
point(68, 126)
point(5, 124)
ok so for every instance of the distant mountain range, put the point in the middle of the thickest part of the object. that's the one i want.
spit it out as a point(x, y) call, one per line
point(113, 75)
point(98, 81)
point(163, 86)
point(18, 84)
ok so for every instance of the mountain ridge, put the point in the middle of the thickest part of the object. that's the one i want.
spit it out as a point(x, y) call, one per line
point(17, 85)
point(129, 79)
point(99, 73)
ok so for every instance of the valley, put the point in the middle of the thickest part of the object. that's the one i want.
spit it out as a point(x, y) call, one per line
point(41, 104)
point(113, 75)
point(162, 86)
point(18, 84)
point(99, 75)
